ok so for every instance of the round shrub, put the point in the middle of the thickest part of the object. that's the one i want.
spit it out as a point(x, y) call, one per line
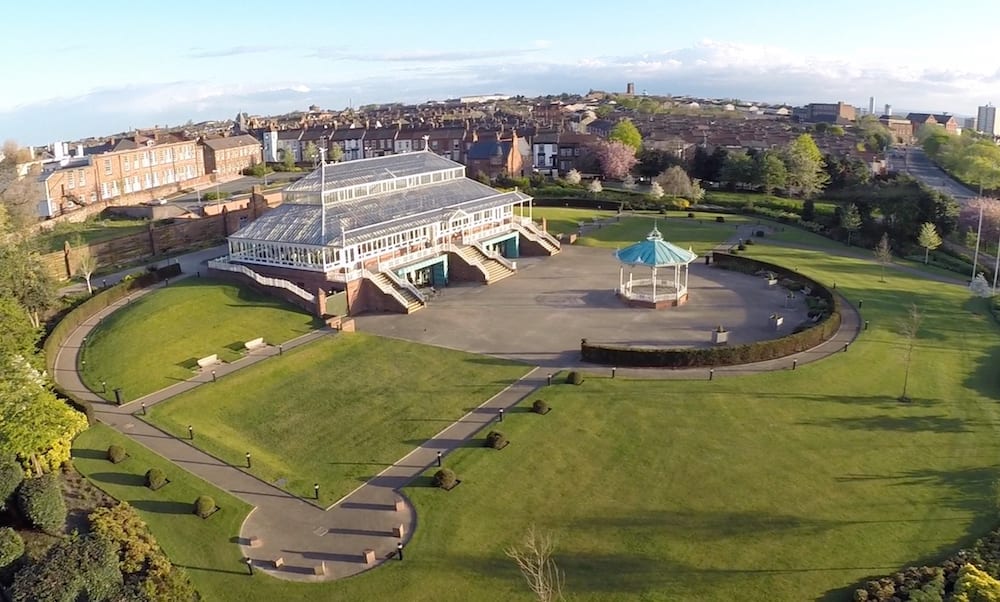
point(41, 502)
point(539, 407)
point(690, 214)
point(720, 219)
point(445, 478)
point(496, 439)
point(742, 247)
point(11, 475)
point(155, 478)
point(204, 506)
point(116, 453)
point(748, 241)
point(11, 546)
point(574, 378)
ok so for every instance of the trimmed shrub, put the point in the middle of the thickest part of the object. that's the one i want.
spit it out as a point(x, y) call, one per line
point(574, 378)
point(444, 478)
point(155, 478)
point(116, 454)
point(41, 502)
point(741, 247)
point(748, 241)
point(11, 475)
point(204, 506)
point(79, 568)
point(720, 219)
point(690, 214)
point(496, 439)
point(11, 546)
point(539, 407)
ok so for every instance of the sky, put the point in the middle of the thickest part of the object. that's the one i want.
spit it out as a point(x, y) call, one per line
point(78, 69)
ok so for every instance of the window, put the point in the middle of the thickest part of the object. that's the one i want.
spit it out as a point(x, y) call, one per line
point(107, 167)
point(149, 181)
point(71, 180)
point(125, 164)
point(81, 176)
point(105, 190)
point(128, 186)
point(145, 158)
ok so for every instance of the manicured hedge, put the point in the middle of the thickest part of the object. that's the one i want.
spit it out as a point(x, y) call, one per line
point(90, 307)
point(661, 357)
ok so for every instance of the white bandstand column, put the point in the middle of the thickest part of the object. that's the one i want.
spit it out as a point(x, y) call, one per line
point(654, 284)
point(621, 277)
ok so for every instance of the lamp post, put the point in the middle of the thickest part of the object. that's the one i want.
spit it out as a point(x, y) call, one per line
point(218, 188)
point(399, 550)
point(250, 566)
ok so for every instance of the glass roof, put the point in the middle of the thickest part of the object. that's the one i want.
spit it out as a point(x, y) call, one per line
point(366, 171)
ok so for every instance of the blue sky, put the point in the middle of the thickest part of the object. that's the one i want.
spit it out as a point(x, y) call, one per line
point(80, 69)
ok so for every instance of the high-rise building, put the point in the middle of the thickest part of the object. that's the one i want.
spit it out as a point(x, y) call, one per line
point(986, 120)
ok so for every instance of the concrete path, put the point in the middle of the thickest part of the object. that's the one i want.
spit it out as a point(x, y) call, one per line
point(292, 538)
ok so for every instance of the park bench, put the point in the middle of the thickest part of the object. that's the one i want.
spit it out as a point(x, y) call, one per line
point(208, 360)
point(254, 344)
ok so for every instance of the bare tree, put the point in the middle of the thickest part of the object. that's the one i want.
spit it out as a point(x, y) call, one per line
point(534, 558)
point(883, 254)
point(909, 327)
point(86, 263)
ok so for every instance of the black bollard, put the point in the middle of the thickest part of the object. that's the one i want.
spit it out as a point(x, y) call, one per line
point(250, 566)
point(142, 404)
point(316, 490)
point(248, 460)
point(860, 303)
point(501, 414)
point(711, 373)
point(213, 376)
point(866, 324)
point(399, 550)
point(190, 432)
point(845, 347)
point(795, 364)
point(439, 459)
point(613, 370)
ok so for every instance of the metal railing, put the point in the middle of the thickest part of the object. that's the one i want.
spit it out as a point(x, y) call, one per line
point(510, 265)
point(532, 230)
point(403, 283)
point(386, 288)
point(222, 264)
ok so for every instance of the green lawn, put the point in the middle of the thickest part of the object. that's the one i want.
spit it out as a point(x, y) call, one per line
point(336, 411)
point(156, 341)
point(201, 547)
point(560, 220)
point(702, 233)
point(90, 231)
point(791, 485)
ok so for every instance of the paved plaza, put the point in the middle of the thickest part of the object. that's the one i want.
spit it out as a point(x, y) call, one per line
point(539, 315)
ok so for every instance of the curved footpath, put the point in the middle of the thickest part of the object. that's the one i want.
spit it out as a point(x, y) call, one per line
point(316, 544)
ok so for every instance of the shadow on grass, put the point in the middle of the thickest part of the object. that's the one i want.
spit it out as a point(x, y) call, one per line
point(190, 363)
point(164, 506)
point(985, 378)
point(444, 443)
point(119, 478)
point(906, 424)
point(90, 454)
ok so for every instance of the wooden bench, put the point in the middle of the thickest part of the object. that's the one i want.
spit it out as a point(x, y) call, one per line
point(319, 569)
point(253, 541)
point(400, 505)
point(398, 531)
point(368, 556)
point(278, 562)
point(254, 344)
point(208, 360)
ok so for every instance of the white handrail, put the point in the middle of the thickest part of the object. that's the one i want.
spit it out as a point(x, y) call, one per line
point(495, 257)
point(533, 232)
point(220, 264)
point(389, 290)
point(405, 284)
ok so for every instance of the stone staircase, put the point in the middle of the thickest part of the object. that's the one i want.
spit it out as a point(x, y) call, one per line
point(403, 296)
point(493, 268)
point(533, 232)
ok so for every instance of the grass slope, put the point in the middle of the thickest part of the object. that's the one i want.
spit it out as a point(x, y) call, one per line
point(157, 340)
point(336, 411)
point(90, 231)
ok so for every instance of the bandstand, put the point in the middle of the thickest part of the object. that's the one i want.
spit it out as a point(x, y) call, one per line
point(666, 284)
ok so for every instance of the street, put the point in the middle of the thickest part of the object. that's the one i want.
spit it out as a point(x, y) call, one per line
point(913, 160)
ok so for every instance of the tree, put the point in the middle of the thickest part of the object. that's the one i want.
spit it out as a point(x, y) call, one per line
point(11, 475)
point(534, 559)
point(625, 132)
point(629, 182)
point(311, 152)
point(616, 158)
point(737, 170)
point(809, 210)
point(656, 191)
point(335, 154)
point(18, 191)
point(708, 167)
point(86, 262)
point(653, 162)
point(851, 221)
point(595, 186)
point(18, 336)
point(804, 162)
point(41, 502)
point(771, 173)
point(928, 239)
point(909, 327)
point(604, 111)
point(980, 288)
point(573, 177)
point(11, 546)
point(883, 254)
point(76, 568)
point(287, 160)
point(675, 182)
point(23, 278)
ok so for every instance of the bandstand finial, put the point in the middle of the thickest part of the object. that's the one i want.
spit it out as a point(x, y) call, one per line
point(654, 234)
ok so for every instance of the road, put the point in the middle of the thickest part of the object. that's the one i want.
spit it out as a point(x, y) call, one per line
point(913, 160)
point(192, 200)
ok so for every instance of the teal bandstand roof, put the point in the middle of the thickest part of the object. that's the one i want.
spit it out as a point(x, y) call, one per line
point(655, 252)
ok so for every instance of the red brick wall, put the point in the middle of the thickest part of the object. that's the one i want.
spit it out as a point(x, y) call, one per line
point(460, 271)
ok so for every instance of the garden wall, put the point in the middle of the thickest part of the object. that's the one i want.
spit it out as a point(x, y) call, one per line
point(726, 355)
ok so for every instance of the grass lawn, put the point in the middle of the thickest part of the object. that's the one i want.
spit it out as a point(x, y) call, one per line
point(560, 220)
point(336, 411)
point(701, 233)
point(157, 340)
point(791, 485)
point(200, 547)
point(90, 231)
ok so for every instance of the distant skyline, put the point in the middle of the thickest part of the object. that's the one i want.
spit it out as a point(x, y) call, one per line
point(73, 70)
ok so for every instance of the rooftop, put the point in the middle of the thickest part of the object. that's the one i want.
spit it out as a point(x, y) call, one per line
point(367, 171)
point(655, 252)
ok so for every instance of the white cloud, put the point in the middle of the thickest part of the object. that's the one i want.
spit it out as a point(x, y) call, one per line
point(708, 68)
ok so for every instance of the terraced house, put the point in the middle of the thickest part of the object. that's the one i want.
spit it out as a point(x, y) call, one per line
point(385, 230)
